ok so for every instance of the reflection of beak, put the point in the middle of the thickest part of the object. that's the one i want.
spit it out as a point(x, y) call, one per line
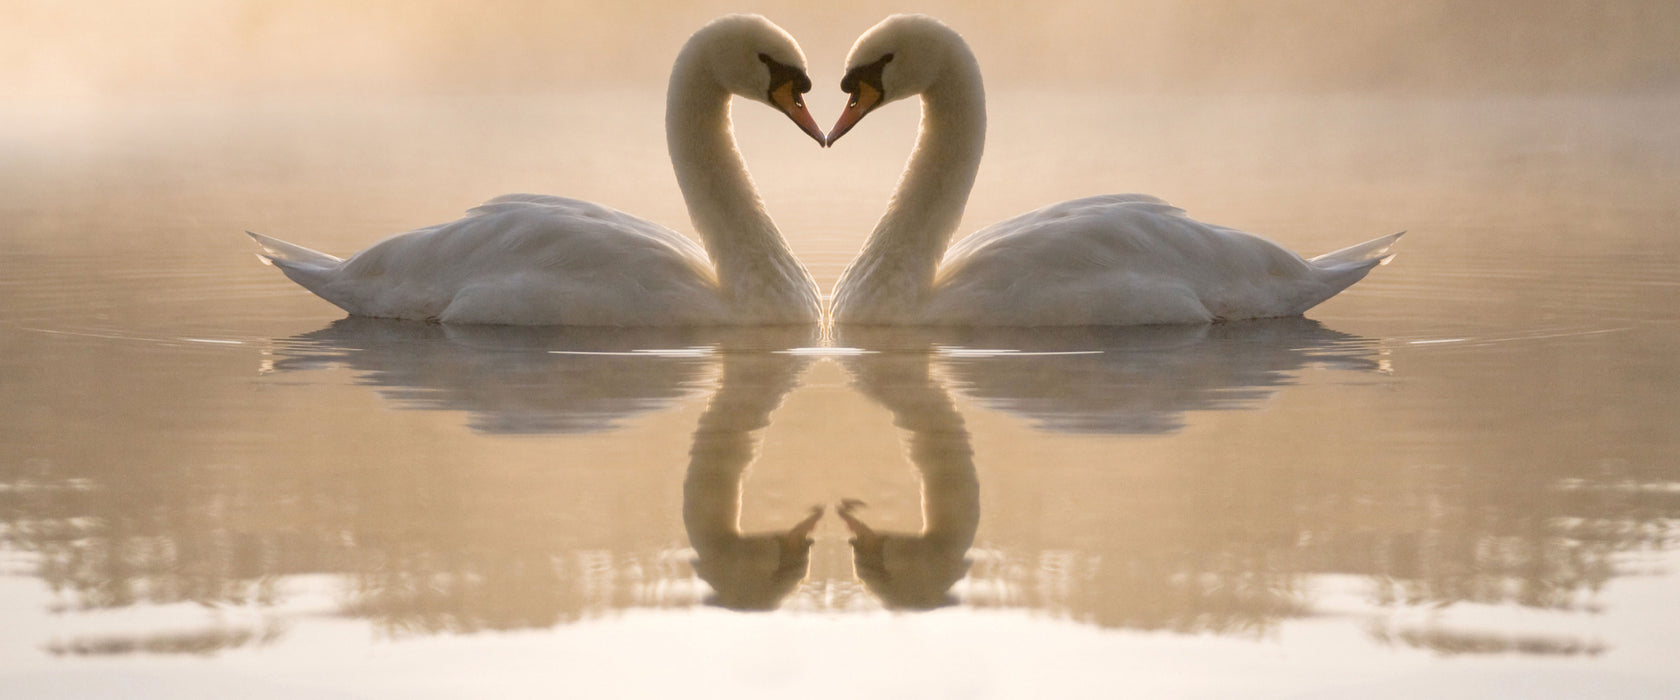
point(802, 530)
point(864, 100)
point(793, 105)
point(865, 535)
point(796, 543)
point(867, 544)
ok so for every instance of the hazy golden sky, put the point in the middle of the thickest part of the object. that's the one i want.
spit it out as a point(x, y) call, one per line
point(53, 48)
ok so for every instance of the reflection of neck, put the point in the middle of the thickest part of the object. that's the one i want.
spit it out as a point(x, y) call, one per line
point(917, 570)
point(939, 446)
point(897, 265)
point(750, 571)
point(756, 270)
point(723, 448)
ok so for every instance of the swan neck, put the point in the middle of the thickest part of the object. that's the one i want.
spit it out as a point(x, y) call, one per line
point(929, 200)
point(749, 253)
point(903, 253)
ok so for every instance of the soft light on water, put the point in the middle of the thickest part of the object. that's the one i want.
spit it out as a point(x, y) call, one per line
point(1456, 479)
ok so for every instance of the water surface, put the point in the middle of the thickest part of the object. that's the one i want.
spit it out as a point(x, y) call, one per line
point(1458, 478)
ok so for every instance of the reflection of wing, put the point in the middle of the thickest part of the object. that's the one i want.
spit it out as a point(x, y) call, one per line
point(1142, 380)
point(524, 379)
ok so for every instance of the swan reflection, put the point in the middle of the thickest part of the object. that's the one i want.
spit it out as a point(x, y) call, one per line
point(916, 570)
point(747, 571)
point(1142, 379)
point(1086, 380)
point(574, 380)
point(476, 534)
point(513, 379)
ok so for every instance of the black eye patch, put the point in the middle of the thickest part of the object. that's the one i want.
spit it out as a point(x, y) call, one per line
point(782, 74)
point(869, 74)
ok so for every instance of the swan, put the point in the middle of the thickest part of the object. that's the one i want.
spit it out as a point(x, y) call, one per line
point(525, 259)
point(1124, 259)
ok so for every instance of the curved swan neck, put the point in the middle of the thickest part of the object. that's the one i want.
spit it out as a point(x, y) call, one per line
point(746, 247)
point(747, 571)
point(938, 443)
point(725, 441)
point(916, 571)
point(903, 252)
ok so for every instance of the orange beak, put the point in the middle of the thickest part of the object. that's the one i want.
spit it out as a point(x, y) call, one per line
point(861, 103)
point(793, 105)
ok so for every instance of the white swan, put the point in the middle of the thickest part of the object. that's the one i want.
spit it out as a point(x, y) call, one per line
point(1108, 260)
point(540, 260)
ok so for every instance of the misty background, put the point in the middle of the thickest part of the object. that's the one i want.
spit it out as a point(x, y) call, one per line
point(184, 423)
point(87, 50)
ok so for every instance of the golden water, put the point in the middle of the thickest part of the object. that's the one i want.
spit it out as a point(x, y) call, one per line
point(1456, 479)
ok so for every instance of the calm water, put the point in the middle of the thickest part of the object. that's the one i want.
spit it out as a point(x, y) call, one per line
point(1457, 479)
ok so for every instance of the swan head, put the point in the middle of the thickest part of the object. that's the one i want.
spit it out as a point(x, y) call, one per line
point(750, 56)
point(900, 57)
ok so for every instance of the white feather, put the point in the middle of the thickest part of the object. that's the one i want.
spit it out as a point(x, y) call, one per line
point(527, 259)
point(1124, 259)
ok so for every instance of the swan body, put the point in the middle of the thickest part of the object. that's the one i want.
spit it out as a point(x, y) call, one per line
point(541, 260)
point(1120, 260)
point(1124, 259)
point(520, 260)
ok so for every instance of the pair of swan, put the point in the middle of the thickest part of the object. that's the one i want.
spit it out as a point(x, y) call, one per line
point(542, 260)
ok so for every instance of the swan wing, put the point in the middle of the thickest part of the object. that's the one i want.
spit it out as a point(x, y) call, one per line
point(582, 209)
point(1009, 228)
point(530, 260)
point(1121, 260)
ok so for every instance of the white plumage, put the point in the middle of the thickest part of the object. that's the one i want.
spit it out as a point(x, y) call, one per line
point(1110, 260)
point(521, 260)
point(540, 260)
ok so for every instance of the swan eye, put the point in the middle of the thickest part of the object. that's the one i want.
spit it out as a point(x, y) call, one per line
point(782, 74)
point(868, 74)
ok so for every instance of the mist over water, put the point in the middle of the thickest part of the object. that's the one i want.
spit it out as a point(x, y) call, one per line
point(266, 46)
point(1459, 472)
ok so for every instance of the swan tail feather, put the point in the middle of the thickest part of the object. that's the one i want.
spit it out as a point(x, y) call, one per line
point(1339, 270)
point(289, 256)
point(1373, 252)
